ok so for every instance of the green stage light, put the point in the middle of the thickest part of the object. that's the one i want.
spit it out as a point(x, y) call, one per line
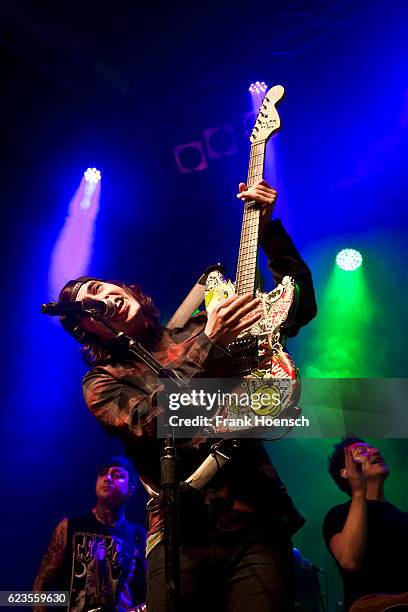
point(349, 260)
point(344, 328)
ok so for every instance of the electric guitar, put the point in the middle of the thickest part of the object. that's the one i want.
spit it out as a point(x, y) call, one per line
point(259, 351)
point(381, 603)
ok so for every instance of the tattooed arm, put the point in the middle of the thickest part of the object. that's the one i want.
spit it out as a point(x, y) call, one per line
point(52, 560)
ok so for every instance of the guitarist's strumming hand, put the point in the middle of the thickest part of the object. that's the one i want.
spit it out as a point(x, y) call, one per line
point(263, 194)
point(232, 316)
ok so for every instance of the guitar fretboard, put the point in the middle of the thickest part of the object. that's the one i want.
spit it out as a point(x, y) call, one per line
point(248, 247)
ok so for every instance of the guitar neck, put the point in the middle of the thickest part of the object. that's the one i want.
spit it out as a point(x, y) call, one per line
point(248, 247)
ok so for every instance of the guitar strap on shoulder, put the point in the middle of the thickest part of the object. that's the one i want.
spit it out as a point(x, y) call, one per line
point(192, 300)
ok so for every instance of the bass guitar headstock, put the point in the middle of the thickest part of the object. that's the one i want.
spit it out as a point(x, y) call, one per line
point(268, 120)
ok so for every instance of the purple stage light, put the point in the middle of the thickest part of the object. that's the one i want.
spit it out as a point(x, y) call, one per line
point(258, 87)
point(92, 175)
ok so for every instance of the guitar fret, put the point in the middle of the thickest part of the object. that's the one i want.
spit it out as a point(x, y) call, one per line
point(246, 274)
point(249, 256)
point(246, 253)
point(254, 154)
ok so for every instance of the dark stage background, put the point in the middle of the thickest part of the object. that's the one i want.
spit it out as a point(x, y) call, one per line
point(117, 86)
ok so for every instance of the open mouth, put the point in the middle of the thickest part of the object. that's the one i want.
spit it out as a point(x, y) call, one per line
point(120, 303)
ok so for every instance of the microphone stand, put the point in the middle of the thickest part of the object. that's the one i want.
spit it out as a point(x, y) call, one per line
point(322, 598)
point(168, 466)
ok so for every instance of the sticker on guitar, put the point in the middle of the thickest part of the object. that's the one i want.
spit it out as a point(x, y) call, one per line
point(275, 305)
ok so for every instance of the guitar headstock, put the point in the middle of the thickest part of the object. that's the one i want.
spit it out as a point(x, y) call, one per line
point(268, 120)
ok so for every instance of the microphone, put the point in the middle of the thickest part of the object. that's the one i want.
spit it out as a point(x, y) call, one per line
point(81, 308)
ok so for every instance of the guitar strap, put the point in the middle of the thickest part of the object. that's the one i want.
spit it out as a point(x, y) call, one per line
point(196, 296)
point(192, 300)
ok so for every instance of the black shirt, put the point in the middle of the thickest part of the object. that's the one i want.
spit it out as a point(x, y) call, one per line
point(103, 565)
point(384, 568)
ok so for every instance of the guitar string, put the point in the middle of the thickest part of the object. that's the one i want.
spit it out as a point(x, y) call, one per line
point(247, 259)
point(246, 268)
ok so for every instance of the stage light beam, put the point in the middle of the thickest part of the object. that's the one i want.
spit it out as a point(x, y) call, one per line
point(72, 252)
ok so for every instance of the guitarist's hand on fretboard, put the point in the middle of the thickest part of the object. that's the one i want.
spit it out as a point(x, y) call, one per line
point(263, 194)
point(231, 317)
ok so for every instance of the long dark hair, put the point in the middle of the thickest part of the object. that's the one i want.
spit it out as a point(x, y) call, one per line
point(97, 351)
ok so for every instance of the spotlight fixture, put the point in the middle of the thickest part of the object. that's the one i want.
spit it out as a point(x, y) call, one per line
point(92, 175)
point(259, 87)
point(349, 260)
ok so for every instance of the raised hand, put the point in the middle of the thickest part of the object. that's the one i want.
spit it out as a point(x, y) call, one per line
point(231, 317)
point(354, 473)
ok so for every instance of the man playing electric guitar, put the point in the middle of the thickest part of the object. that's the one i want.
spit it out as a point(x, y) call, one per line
point(235, 530)
point(368, 536)
point(235, 534)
